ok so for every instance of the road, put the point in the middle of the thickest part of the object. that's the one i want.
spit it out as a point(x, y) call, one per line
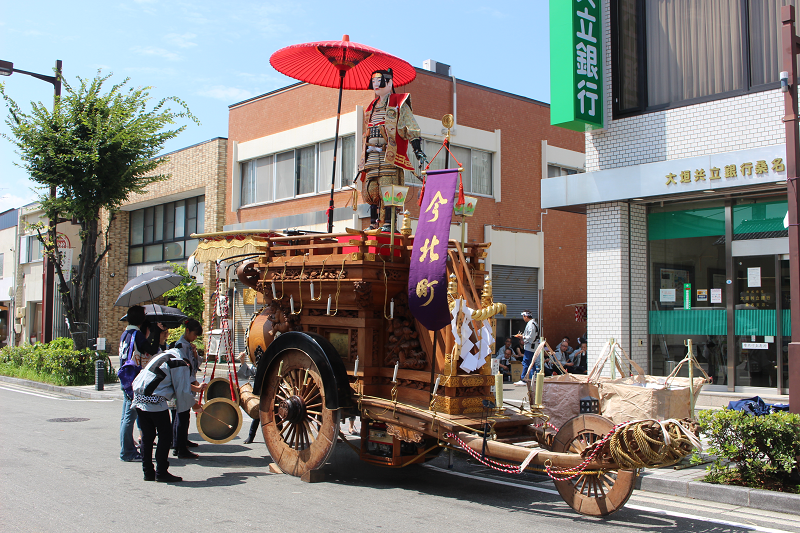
point(59, 471)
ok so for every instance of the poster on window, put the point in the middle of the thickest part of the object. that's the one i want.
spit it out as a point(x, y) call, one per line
point(754, 277)
point(716, 296)
point(667, 296)
point(702, 295)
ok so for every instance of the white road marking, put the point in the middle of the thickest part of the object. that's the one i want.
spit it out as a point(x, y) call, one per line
point(53, 397)
point(655, 510)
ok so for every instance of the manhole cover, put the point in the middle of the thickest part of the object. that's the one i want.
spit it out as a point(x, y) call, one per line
point(71, 419)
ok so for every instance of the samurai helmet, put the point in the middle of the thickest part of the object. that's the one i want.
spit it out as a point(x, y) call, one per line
point(385, 76)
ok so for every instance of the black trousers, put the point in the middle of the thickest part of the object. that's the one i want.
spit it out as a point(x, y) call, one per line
point(180, 429)
point(155, 423)
point(254, 425)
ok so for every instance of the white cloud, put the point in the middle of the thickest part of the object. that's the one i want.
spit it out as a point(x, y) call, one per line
point(181, 41)
point(158, 52)
point(10, 201)
point(229, 94)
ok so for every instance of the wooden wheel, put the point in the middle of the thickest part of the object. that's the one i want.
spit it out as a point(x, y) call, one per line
point(592, 494)
point(299, 430)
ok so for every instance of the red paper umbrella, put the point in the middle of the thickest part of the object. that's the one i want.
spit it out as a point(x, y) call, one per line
point(343, 65)
point(339, 64)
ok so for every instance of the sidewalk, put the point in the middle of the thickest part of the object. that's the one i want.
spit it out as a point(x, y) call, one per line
point(111, 392)
point(683, 481)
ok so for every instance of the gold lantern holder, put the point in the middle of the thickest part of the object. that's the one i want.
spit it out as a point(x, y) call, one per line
point(393, 196)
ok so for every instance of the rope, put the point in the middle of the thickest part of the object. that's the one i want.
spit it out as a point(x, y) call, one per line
point(651, 443)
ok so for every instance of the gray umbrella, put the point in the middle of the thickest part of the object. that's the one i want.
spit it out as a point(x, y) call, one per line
point(147, 287)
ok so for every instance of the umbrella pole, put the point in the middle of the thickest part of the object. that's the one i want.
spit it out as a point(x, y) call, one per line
point(335, 149)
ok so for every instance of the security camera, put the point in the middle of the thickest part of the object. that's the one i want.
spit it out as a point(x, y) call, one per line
point(785, 81)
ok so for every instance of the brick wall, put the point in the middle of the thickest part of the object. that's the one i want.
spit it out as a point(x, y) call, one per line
point(523, 123)
point(202, 166)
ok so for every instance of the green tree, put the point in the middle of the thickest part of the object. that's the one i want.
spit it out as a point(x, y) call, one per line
point(96, 149)
point(189, 296)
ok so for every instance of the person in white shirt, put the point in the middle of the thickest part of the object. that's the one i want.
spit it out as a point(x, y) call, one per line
point(530, 340)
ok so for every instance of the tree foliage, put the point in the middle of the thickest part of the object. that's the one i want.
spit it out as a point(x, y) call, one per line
point(189, 296)
point(95, 149)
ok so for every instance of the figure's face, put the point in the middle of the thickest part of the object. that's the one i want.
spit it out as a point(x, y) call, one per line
point(508, 343)
point(376, 86)
point(564, 345)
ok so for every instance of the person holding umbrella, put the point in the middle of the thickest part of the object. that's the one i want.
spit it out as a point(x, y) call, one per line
point(389, 126)
point(133, 343)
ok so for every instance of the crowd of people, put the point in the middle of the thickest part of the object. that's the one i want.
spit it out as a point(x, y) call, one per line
point(564, 359)
point(157, 380)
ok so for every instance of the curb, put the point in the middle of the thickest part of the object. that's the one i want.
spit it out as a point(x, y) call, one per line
point(764, 500)
point(73, 391)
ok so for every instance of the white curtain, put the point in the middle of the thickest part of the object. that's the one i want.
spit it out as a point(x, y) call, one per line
point(284, 175)
point(306, 169)
point(264, 179)
point(481, 172)
point(248, 183)
point(694, 49)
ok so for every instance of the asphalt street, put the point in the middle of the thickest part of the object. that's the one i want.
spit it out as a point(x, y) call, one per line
point(59, 471)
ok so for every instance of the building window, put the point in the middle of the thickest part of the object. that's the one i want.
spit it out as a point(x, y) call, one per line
point(35, 249)
point(556, 170)
point(302, 171)
point(2, 261)
point(477, 165)
point(161, 233)
point(668, 53)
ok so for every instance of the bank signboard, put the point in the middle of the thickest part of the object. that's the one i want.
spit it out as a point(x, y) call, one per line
point(576, 64)
point(709, 173)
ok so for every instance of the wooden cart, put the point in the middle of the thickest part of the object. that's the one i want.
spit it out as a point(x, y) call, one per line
point(332, 300)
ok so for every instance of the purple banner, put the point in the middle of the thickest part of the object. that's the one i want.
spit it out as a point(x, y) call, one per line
point(427, 277)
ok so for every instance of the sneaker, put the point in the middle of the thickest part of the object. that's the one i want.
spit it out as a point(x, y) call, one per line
point(520, 382)
point(167, 478)
point(135, 459)
point(248, 440)
point(150, 477)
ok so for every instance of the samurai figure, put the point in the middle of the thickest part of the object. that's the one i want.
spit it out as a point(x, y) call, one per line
point(389, 126)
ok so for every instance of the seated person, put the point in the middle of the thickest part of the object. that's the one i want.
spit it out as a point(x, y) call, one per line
point(563, 351)
point(501, 352)
point(577, 361)
point(505, 363)
point(550, 368)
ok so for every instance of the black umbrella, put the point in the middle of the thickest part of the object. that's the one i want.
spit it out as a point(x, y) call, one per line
point(170, 317)
point(147, 287)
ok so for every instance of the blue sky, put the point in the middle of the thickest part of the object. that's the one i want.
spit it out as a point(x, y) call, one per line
point(213, 54)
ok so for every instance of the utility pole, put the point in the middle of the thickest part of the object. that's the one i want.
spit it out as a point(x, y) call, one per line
point(790, 45)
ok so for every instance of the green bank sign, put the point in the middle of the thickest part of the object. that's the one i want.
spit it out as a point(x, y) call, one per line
point(576, 64)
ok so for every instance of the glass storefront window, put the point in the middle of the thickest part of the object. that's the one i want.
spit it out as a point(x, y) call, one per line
point(687, 286)
point(690, 289)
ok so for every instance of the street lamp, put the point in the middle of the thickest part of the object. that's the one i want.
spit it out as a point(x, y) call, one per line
point(7, 69)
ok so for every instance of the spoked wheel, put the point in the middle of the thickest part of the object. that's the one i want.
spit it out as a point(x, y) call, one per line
point(299, 431)
point(592, 494)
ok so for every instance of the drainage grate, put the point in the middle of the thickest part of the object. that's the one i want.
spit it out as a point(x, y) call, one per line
point(71, 419)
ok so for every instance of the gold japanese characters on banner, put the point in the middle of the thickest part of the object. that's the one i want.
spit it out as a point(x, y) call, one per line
point(759, 168)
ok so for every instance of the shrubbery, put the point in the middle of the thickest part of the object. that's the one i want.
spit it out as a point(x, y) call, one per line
point(56, 359)
point(763, 448)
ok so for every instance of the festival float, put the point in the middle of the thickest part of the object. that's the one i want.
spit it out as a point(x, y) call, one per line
point(398, 329)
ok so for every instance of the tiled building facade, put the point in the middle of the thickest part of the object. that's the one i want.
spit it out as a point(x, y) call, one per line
point(632, 256)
